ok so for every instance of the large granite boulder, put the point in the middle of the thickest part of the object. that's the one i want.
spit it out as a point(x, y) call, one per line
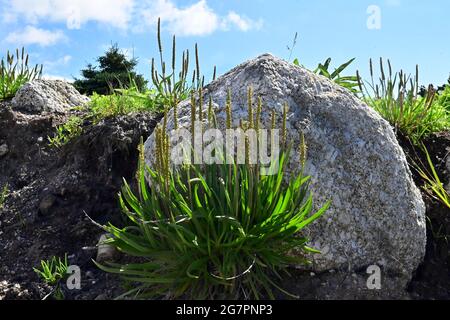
point(377, 214)
point(47, 96)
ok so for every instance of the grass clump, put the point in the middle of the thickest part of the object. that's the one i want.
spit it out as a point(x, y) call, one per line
point(66, 132)
point(348, 82)
point(211, 231)
point(444, 98)
point(121, 102)
point(395, 97)
point(52, 272)
point(15, 72)
point(432, 183)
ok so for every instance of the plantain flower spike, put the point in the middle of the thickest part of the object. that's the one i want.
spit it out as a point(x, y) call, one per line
point(250, 109)
point(175, 114)
point(197, 65)
point(247, 150)
point(173, 54)
point(166, 160)
point(303, 150)
point(200, 107)
point(273, 120)
point(165, 120)
point(258, 114)
point(283, 130)
point(158, 149)
point(228, 110)
point(193, 112)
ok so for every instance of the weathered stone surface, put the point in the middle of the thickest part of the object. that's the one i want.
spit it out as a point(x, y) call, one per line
point(47, 96)
point(377, 214)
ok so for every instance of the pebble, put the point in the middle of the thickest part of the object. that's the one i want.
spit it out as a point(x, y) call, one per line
point(3, 149)
point(105, 252)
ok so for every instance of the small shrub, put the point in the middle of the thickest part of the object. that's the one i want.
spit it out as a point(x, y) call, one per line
point(114, 70)
point(15, 72)
point(66, 132)
point(396, 99)
point(211, 231)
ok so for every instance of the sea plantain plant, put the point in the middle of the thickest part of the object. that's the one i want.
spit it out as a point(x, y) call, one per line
point(212, 231)
point(15, 72)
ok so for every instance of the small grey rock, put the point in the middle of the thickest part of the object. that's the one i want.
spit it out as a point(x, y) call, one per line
point(105, 252)
point(47, 96)
point(4, 150)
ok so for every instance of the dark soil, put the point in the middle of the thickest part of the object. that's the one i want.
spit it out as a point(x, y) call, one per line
point(432, 280)
point(53, 190)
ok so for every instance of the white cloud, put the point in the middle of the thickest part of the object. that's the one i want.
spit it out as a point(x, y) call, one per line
point(53, 67)
point(55, 64)
point(241, 22)
point(74, 13)
point(56, 77)
point(197, 19)
point(33, 35)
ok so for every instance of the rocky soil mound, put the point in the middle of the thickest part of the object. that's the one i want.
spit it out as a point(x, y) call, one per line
point(51, 190)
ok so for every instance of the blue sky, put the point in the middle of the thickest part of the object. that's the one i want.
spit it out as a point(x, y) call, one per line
point(64, 35)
